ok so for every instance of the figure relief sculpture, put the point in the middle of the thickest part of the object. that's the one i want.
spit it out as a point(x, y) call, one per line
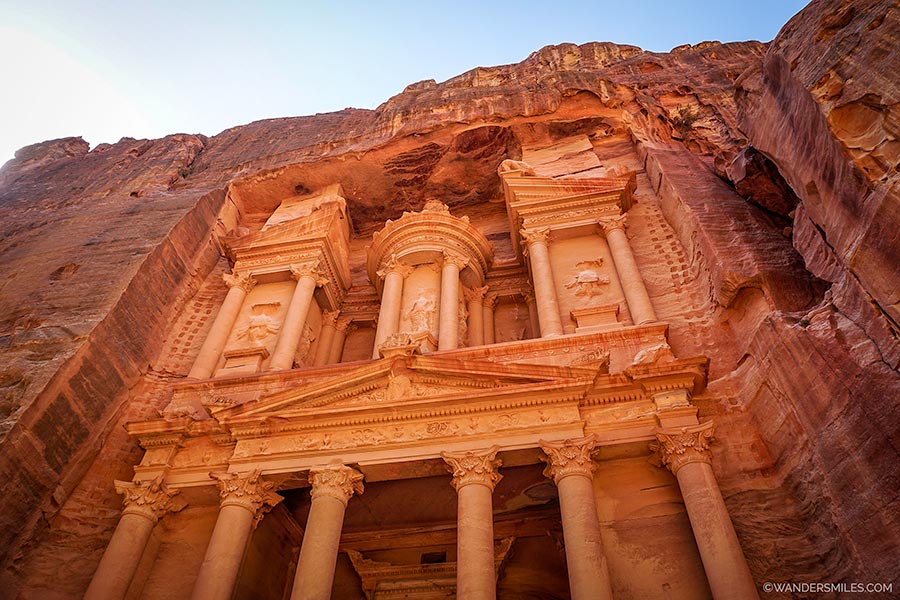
point(261, 324)
point(422, 314)
point(302, 355)
point(588, 280)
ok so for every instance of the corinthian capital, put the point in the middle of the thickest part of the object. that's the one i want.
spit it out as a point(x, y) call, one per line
point(458, 260)
point(241, 280)
point(569, 457)
point(247, 491)
point(339, 482)
point(474, 294)
point(677, 447)
point(330, 317)
point(612, 223)
point(150, 499)
point(490, 300)
point(313, 270)
point(536, 236)
point(394, 265)
point(474, 467)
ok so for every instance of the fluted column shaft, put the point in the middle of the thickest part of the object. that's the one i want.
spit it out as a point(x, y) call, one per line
point(686, 453)
point(244, 499)
point(571, 468)
point(474, 477)
point(475, 302)
point(343, 328)
point(145, 503)
point(448, 330)
point(332, 488)
point(544, 287)
point(238, 288)
point(488, 316)
point(394, 273)
point(326, 338)
point(308, 277)
point(636, 296)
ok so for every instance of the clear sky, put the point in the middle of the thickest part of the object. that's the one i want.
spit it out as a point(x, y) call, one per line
point(144, 69)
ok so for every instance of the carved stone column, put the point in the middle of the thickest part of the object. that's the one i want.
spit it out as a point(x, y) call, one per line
point(538, 241)
point(685, 452)
point(448, 328)
point(343, 327)
point(244, 500)
point(309, 277)
point(533, 315)
point(571, 468)
point(475, 300)
point(393, 273)
point(490, 301)
point(326, 338)
point(145, 503)
point(474, 477)
point(239, 285)
point(629, 276)
point(332, 488)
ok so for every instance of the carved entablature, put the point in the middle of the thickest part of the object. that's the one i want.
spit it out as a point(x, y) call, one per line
point(570, 207)
point(310, 235)
point(430, 236)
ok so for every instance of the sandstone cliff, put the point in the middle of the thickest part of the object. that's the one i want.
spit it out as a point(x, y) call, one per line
point(773, 167)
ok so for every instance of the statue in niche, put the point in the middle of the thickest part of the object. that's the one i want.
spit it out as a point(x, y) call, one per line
point(421, 314)
point(588, 280)
point(261, 323)
point(462, 315)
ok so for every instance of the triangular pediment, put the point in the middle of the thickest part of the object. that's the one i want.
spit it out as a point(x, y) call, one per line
point(401, 383)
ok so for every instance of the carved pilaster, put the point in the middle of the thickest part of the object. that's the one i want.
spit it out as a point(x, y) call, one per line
point(150, 499)
point(312, 270)
point(675, 448)
point(247, 491)
point(242, 280)
point(612, 223)
point(339, 482)
point(569, 457)
point(394, 265)
point(474, 467)
point(536, 236)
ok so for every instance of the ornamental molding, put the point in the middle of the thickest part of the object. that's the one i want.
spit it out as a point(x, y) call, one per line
point(246, 490)
point(335, 481)
point(569, 457)
point(675, 448)
point(474, 467)
point(149, 499)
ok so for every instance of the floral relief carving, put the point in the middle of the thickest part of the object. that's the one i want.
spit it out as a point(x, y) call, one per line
point(241, 280)
point(339, 482)
point(150, 499)
point(246, 490)
point(474, 467)
point(569, 457)
point(675, 448)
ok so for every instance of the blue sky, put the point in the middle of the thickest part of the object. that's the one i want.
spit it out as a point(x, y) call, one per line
point(106, 70)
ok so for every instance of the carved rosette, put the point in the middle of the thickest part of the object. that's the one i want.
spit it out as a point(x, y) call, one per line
point(474, 467)
point(247, 491)
point(536, 236)
point(312, 270)
point(149, 499)
point(394, 265)
point(569, 457)
point(457, 260)
point(675, 448)
point(339, 482)
point(612, 223)
point(241, 280)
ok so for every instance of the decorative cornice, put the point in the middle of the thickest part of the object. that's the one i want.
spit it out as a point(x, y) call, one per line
point(241, 280)
point(536, 236)
point(339, 482)
point(675, 448)
point(312, 270)
point(612, 223)
point(474, 467)
point(569, 457)
point(247, 491)
point(150, 499)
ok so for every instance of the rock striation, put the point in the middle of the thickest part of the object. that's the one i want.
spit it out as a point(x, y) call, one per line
point(766, 178)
